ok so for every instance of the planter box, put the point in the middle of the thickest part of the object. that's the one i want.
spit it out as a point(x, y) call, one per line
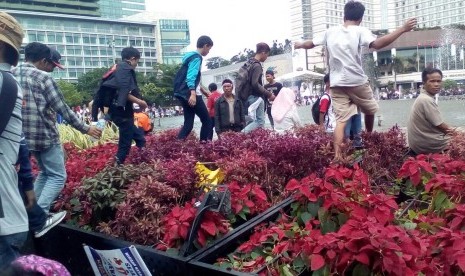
point(64, 243)
point(202, 262)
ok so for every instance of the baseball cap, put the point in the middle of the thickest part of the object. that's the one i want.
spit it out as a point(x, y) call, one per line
point(12, 33)
point(55, 58)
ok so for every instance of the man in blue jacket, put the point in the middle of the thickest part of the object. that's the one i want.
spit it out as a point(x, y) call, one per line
point(186, 81)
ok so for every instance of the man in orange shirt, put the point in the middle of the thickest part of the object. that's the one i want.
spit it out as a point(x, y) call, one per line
point(142, 120)
point(211, 105)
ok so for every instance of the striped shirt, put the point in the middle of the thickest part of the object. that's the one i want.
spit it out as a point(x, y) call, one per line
point(42, 100)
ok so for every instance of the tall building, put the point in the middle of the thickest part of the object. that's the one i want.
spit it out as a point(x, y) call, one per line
point(311, 17)
point(172, 34)
point(87, 8)
point(120, 8)
point(86, 43)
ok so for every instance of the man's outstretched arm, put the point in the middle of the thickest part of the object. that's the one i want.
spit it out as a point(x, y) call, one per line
point(385, 40)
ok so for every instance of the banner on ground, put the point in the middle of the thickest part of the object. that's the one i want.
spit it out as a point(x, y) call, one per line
point(116, 262)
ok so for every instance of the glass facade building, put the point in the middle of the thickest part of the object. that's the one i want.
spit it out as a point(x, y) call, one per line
point(174, 37)
point(86, 43)
point(120, 8)
point(86, 8)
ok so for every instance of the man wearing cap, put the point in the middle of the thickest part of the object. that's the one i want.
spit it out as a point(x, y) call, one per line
point(42, 100)
point(13, 217)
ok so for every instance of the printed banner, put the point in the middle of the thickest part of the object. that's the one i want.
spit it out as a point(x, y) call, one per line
point(115, 262)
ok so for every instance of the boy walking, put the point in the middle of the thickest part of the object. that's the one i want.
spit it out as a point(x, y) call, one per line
point(121, 110)
point(349, 84)
point(186, 81)
point(255, 104)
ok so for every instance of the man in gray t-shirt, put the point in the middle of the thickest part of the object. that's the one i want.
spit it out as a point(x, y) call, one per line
point(13, 224)
point(427, 132)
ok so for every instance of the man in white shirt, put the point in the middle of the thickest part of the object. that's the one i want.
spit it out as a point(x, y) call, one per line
point(349, 84)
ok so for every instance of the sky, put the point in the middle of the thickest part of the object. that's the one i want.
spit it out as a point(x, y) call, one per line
point(232, 24)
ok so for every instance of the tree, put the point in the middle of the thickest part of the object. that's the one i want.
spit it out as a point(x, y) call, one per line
point(154, 94)
point(449, 84)
point(162, 78)
point(70, 93)
point(242, 56)
point(88, 83)
point(217, 62)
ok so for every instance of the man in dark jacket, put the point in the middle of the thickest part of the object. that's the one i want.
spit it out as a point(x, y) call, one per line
point(255, 103)
point(229, 112)
point(121, 110)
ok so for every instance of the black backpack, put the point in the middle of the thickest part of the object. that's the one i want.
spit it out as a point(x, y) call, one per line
point(243, 81)
point(8, 98)
point(104, 95)
point(316, 109)
point(180, 88)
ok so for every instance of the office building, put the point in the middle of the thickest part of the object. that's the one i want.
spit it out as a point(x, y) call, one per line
point(86, 8)
point(172, 34)
point(311, 17)
point(120, 8)
point(86, 43)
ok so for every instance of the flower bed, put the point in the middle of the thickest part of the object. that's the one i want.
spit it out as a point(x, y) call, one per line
point(151, 200)
point(337, 225)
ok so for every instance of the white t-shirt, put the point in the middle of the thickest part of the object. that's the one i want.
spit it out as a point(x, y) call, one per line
point(198, 92)
point(344, 46)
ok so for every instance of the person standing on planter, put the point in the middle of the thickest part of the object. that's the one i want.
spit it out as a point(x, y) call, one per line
point(350, 89)
point(42, 100)
point(13, 216)
point(186, 81)
point(229, 112)
point(121, 109)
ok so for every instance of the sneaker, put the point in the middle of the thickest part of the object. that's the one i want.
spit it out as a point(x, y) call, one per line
point(52, 221)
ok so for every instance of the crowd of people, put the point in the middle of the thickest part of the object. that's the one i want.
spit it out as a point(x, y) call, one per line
point(32, 99)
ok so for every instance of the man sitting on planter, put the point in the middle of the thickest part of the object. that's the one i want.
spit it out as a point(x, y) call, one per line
point(426, 130)
point(229, 112)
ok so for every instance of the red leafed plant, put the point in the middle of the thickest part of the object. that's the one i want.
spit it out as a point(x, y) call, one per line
point(82, 164)
point(176, 225)
point(247, 200)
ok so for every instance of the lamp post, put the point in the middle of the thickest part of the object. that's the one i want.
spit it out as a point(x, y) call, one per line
point(111, 45)
point(393, 54)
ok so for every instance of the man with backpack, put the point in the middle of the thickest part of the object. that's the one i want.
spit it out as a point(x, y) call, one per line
point(126, 93)
point(326, 118)
point(13, 216)
point(42, 100)
point(250, 89)
point(186, 81)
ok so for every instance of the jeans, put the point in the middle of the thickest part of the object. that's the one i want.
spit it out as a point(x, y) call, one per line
point(9, 248)
point(268, 111)
point(52, 175)
point(127, 132)
point(259, 115)
point(36, 215)
point(210, 136)
point(353, 129)
point(199, 109)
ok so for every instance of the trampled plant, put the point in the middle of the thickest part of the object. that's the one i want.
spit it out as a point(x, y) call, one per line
point(176, 225)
